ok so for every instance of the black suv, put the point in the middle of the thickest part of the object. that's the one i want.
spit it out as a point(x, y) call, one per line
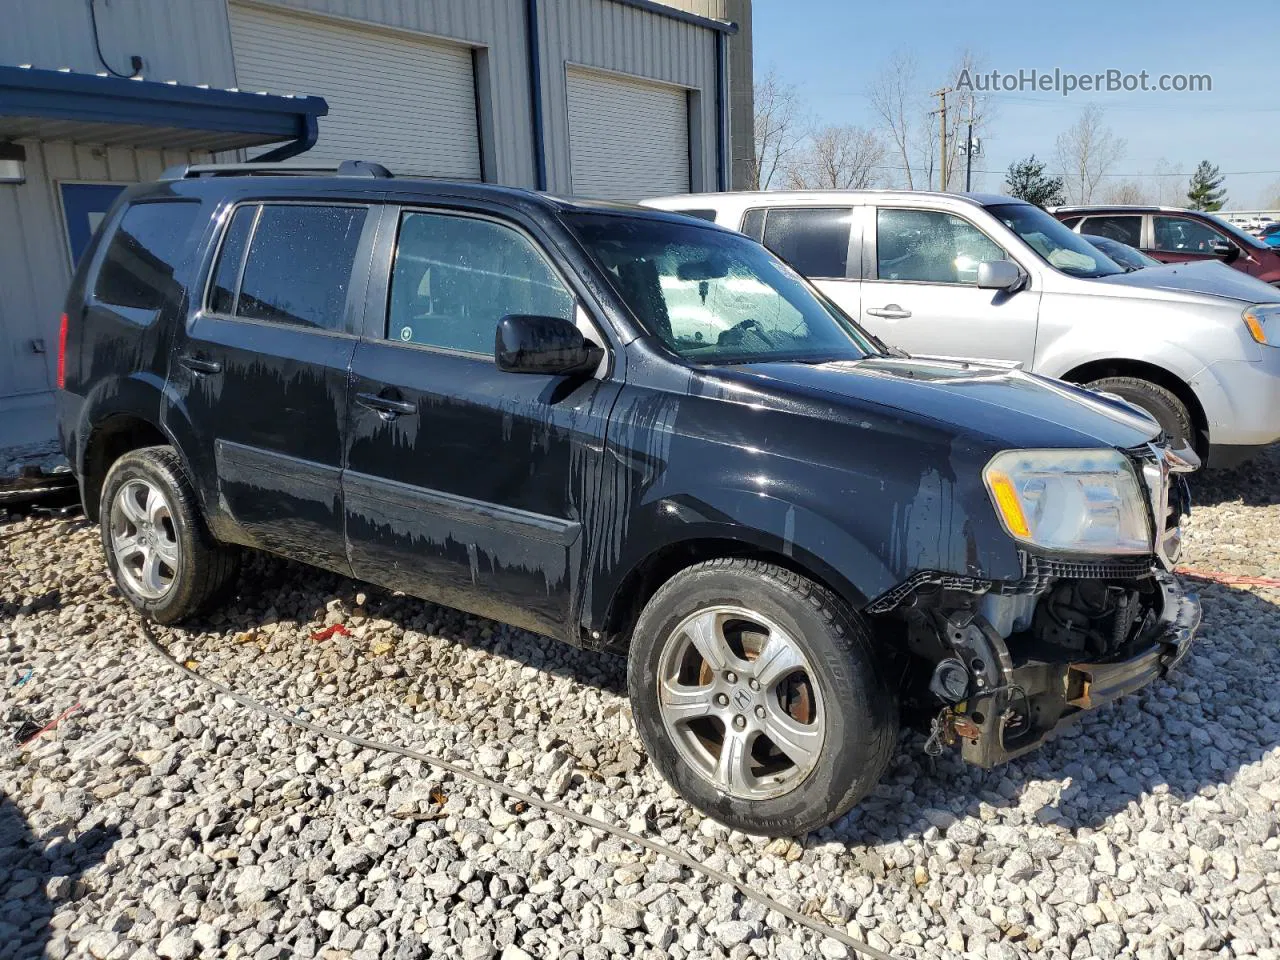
point(630, 430)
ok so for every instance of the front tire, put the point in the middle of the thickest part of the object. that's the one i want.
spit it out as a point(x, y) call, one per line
point(1162, 403)
point(759, 697)
point(159, 550)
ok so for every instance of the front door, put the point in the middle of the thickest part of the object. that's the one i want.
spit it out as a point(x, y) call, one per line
point(920, 289)
point(464, 484)
point(260, 376)
point(1186, 240)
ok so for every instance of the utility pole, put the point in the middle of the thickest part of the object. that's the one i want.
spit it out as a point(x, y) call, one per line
point(968, 153)
point(942, 110)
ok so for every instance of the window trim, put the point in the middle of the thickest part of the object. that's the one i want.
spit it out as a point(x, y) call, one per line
point(873, 248)
point(852, 251)
point(579, 308)
point(104, 248)
point(224, 228)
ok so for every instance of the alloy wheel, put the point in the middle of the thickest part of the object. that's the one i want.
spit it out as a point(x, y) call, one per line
point(740, 701)
point(144, 539)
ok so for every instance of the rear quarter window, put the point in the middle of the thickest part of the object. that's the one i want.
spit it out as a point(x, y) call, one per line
point(137, 270)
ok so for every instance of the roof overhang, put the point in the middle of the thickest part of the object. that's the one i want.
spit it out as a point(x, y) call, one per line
point(87, 108)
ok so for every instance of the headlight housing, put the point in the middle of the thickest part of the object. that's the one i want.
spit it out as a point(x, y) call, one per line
point(1075, 501)
point(1263, 321)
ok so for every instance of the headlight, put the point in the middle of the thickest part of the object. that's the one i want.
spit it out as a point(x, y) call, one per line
point(1080, 501)
point(1263, 321)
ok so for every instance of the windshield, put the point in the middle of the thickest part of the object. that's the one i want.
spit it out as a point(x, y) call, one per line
point(1123, 254)
point(716, 297)
point(1054, 242)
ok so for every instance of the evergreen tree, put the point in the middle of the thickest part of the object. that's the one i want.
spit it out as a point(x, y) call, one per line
point(1206, 191)
point(1026, 180)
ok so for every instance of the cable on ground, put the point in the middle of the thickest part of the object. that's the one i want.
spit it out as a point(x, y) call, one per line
point(662, 849)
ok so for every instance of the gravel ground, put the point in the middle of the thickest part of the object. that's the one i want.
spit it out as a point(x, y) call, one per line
point(161, 820)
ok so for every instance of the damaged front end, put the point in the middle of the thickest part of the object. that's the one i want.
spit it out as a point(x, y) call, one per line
point(997, 666)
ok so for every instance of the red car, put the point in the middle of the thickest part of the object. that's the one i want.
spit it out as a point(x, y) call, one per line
point(1172, 235)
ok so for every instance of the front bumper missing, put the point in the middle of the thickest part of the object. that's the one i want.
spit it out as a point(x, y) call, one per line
point(1037, 696)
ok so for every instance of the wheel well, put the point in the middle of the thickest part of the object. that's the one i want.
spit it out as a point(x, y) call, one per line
point(1098, 369)
point(639, 586)
point(110, 440)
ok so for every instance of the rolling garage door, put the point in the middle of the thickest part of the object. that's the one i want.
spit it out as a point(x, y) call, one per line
point(627, 139)
point(404, 102)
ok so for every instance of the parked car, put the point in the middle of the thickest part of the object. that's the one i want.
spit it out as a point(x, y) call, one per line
point(1128, 257)
point(986, 276)
point(1173, 235)
point(503, 402)
point(1270, 234)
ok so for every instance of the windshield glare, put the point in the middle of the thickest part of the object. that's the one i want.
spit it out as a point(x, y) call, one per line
point(1054, 242)
point(716, 297)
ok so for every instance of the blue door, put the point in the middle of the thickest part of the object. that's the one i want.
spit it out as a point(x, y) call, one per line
point(85, 205)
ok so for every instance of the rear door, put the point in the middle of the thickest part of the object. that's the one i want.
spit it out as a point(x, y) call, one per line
point(920, 293)
point(1124, 227)
point(819, 242)
point(260, 373)
point(465, 484)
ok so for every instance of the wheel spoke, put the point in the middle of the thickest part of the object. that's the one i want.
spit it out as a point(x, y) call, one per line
point(157, 511)
point(681, 703)
point(127, 546)
point(733, 769)
point(167, 550)
point(129, 504)
point(705, 633)
point(801, 742)
point(779, 658)
point(152, 578)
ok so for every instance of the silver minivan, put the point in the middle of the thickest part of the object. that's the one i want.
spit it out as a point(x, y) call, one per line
point(986, 276)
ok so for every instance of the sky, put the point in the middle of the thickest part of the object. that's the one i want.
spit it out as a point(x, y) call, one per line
point(831, 51)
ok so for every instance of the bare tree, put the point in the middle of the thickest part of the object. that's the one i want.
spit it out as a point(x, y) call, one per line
point(779, 129)
point(838, 158)
point(1271, 196)
point(905, 110)
point(1167, 184)
point(896, 100)
point(1127, 191)
point(1086, 153)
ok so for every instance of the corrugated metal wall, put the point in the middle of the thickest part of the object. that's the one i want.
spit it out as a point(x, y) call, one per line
point(183, 40)
point(611, 36)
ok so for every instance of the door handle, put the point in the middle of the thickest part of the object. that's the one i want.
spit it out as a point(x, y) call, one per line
point(199, 366)
point(889, 312)
point(385, 407)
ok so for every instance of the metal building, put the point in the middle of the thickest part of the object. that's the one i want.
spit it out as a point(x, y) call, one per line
point(602, 98)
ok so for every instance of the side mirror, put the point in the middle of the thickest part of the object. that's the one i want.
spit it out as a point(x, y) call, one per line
point(998, 275)
point(532, 344)
point(1227, 250)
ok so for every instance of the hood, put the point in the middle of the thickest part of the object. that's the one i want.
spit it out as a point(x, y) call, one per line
point(1208, 277)
point(1008, 408)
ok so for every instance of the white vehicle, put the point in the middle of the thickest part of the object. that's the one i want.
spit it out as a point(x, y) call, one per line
point(1196, 345)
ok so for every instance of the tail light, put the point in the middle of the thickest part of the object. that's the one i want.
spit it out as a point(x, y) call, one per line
point(62, 353)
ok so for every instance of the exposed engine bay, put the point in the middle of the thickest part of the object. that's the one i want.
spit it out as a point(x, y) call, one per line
point(997, 667)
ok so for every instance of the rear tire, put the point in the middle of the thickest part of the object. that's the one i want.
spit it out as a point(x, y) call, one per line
point(1162, 403)
point(792, 689)
point(159, 550)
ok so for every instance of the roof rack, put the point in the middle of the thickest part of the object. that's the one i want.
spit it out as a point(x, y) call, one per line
point(347, 168)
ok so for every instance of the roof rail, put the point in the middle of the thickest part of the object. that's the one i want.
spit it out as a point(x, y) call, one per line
point(348, 168)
